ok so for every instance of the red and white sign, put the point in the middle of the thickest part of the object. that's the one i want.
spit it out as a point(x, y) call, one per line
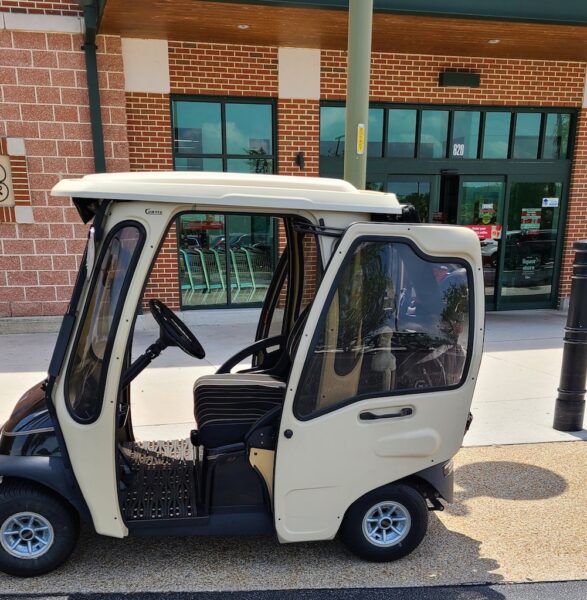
point(486, 232)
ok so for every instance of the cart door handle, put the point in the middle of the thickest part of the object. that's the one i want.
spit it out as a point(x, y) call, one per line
point(369, 416)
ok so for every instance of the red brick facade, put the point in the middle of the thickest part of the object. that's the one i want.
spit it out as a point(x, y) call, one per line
point(223, 70)
point(413, 78)
point(149, 131)
point(69, 9)
point(45, 103)
point(577, 214)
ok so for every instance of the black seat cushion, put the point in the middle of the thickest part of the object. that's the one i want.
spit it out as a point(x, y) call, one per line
point(225, 406)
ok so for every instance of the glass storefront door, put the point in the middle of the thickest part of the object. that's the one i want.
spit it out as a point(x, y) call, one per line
point(531, 236)
point(480, 208)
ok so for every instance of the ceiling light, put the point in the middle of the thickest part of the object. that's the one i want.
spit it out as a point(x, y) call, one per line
point(243, 26)
point(493, 41)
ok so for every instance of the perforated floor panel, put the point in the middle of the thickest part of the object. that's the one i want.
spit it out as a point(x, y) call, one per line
point(162, 484)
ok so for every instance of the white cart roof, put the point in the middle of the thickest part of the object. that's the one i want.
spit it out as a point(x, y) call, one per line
point(231, 190)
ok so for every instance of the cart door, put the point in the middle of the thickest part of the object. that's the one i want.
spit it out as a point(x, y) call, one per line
point(384, 374)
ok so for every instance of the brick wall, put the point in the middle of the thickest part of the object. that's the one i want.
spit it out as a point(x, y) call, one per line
point(45, 102)
point(164, 280)
point(221, 69)
point(414, 78)
point(150, 140)
point(149, 131)
point(577, 215)
point(70, 9)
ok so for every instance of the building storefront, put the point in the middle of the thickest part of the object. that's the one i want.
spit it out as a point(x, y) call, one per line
point(502, 171)
point(214, 87)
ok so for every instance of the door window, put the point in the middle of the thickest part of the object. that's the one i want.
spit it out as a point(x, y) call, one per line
point(530, 242)
point(86, 376)
point(481, 209)
point(397, 322)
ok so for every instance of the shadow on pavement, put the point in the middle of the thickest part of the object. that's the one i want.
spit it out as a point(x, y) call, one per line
point(504, 480)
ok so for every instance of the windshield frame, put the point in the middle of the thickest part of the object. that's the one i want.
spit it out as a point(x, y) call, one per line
point(84, 315)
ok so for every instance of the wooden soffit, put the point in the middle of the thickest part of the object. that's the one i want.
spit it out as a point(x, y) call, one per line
point(275, 25)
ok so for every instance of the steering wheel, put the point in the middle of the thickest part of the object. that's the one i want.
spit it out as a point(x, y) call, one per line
point(174, 332)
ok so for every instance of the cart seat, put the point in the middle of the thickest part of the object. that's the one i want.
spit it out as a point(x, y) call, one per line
point(227, 405)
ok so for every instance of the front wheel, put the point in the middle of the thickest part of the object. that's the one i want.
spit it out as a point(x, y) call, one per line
point(386, 524)
point(38, 531)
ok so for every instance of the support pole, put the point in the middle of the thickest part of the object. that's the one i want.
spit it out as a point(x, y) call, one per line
point(570, 403)
point(357, 98)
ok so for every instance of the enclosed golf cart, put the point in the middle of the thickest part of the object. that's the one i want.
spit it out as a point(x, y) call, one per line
point(345, 422)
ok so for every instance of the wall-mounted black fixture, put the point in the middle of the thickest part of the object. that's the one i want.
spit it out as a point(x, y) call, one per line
point(459, 79)
point(301, 160)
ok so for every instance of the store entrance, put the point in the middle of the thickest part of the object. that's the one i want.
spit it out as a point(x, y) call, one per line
point(517, 220)
point(474, 202)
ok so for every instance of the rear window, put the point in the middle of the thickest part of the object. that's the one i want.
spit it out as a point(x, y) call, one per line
point(87, 375)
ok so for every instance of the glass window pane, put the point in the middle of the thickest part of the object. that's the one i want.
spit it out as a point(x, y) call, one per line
point(375, 132)
point(198, 164)
point(397, 322)
point(401, 133)
point(251, 244)
point(86, 377)
point(465, 134)
point(198, 127)
point(248, 129)
point(332, 130)
point(496, 135)
point(415, 192)
point(556, 135)
point(433, 134)
point(249, 165)
point(527, 135)
point(202, 260)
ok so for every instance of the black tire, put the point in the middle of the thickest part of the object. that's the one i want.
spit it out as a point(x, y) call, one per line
point(23, 497)
point(409, 500)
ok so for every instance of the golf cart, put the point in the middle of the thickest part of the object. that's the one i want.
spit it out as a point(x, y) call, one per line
point(345, 422)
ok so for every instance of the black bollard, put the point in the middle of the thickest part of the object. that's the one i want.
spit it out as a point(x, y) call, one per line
point(570, 403)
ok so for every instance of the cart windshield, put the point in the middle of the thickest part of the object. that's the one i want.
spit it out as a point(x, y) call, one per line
point(86, 376)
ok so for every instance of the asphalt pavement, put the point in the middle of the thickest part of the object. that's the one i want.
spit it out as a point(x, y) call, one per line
point(569, 590)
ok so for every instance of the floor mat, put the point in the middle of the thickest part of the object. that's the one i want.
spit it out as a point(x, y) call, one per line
point(162, 484)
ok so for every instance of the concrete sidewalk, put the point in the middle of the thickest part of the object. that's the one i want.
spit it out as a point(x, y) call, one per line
point(513, 402)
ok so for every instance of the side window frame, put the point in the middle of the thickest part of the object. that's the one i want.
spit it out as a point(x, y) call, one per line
point(325, 309)
point(115, 321)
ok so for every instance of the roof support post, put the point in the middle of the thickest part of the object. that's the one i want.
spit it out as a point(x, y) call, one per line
point(89, 47)
point(357, 99)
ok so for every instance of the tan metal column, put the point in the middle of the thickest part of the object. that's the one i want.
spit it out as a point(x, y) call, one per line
point(357, 98)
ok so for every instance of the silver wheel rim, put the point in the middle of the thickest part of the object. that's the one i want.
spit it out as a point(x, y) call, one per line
point(26, 535)
point(386, 524)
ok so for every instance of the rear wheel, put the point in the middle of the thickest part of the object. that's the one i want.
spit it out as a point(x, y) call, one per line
point(38, 531)
point(386, 524)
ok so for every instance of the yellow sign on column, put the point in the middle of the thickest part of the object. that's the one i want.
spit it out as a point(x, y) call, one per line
point(361, 138)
